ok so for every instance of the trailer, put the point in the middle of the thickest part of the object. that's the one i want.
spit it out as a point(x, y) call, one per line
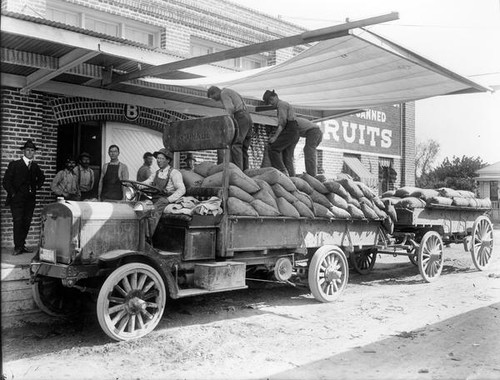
point(102, 249)
point(422, 232)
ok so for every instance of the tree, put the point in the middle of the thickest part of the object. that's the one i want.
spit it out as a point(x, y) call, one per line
point(426, 153)
point(457, 173)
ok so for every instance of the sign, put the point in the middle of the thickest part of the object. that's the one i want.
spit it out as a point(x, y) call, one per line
point(131, 112)
point(375, 131)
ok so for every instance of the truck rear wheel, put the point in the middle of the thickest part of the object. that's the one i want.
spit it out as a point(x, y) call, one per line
point(131, 301)
point(328, 273)
point(55, 299)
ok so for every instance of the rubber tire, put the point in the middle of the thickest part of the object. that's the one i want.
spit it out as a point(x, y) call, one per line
point(363, 255)
point(433, 238)
point(55, 299)
point(103, 304)
point(321, 256)
point(481, 247)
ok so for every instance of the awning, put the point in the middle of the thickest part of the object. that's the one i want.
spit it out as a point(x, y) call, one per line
point(354, 167)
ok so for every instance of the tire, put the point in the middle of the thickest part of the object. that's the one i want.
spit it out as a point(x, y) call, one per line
point(328, 273)
point(55, 299)
point(481, 247)
point(363, 261)
point(430, 256)
point(131, 302)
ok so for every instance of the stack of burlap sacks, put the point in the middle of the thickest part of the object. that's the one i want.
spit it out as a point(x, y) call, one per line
point(268, 192)
point(414, 197)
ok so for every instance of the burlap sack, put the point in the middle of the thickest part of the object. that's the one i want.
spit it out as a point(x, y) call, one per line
point(403, 192)
point(238, 207)
point(273, 176)
point(238, 178)
point(466, 194)
point(447, 192)
point(236, 192)
point(388, 193)
point(337, 188)
point(303, 210)
point(484, 203)
point(265, 197)
point(301, 185)
point(337, 200)
point(473, 202)
point(392, 200)
point(321, 178)
point(340, 213)
point(304, 198)
point(279, 191)
point(390, 210)
point(424, 194)
point(218, 168)
point(257, 171)
point(368, 212)
point(286, 208)
point(320, 198)
point(442, 201)
point(364, 199)
point(264, 185)
point(203, 168)
point(215, 180)
point(380, 213)
point(460, 201)
point(355, 212)
point(410, 203)
point(352, 201)
point(314, 183)
point(351, 188)
point(367, 192)
point(378, 202)
point(191, 179)
point(264, 209)
point(322, 212)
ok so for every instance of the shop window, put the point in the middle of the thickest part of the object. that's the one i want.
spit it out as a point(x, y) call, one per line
point(386, 175)
point(494, 191)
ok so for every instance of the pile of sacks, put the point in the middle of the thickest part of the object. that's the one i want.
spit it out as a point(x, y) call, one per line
point(414, 197)
point(268, 192)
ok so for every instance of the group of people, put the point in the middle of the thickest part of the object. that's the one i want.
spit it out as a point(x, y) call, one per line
point(281, 143)
point(75, 182)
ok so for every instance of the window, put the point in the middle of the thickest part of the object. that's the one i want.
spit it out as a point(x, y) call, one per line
point(100, 26)
point(63, 16)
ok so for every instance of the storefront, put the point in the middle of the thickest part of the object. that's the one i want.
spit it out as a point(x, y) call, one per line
point(488, 182)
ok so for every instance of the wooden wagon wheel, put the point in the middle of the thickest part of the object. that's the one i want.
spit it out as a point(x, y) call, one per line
point(363, 261)
point(481, 242)
point(328, 273)
point(131, 301)
point(430, 256)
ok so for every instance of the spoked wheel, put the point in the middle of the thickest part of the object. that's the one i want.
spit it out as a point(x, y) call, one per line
point(328, 273)
point(430, 256)
point(482, 242)
point(55, 299)
point(413, 257)
point(363, 261)
point(131, 301)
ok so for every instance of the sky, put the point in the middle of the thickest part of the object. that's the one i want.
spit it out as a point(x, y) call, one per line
point(461, 35)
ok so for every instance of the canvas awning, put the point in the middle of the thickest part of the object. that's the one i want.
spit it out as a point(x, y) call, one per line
point(355, 168)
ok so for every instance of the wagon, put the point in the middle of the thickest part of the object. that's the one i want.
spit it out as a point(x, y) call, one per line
point(102, 248)
point(422, 232)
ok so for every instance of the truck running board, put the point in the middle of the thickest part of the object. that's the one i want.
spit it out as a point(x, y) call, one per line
point(183, 293)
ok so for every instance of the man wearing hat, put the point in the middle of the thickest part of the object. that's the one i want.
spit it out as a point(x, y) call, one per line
point(144, 171)
point(65, 182)
point(235, 107)
point(21, 181)
point(85, 177)
point(169, 181)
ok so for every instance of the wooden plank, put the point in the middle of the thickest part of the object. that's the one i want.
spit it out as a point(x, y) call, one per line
point(18, 307)
point(18, 295)
point(14, 273)
point(281, 43)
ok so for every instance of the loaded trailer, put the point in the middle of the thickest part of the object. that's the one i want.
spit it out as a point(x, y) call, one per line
point(102, 249)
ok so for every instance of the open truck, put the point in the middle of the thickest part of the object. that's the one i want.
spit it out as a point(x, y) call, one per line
point(102, 248)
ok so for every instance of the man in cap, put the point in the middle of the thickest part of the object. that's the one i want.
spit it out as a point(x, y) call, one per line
point(22, 179)
point(169, 181)
point(145, 171)
point(282, 143)
point(65, 182)
point(85, 177)
point(235, 107)
point(190, 161)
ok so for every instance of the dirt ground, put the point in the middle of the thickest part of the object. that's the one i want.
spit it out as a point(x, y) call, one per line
point(389, 324)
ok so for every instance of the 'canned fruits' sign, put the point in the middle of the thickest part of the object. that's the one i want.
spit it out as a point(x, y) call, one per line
point(373, 131)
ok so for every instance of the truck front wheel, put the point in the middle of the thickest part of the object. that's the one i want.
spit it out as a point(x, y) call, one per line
point(55, 299)
point(131, 301)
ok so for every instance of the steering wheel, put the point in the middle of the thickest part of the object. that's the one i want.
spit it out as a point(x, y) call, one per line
point(141, 187)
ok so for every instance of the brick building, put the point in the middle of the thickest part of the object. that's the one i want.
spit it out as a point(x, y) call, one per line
point(59, 58)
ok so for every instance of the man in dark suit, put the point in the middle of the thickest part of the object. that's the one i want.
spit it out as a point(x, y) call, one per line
point(22, 179)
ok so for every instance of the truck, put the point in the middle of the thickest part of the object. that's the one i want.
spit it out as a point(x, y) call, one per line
point(102, 250)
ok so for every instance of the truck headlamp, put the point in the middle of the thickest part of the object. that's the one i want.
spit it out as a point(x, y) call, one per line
point(130, 193)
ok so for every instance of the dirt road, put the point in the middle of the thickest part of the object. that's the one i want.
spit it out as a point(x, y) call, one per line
point(387, 325)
